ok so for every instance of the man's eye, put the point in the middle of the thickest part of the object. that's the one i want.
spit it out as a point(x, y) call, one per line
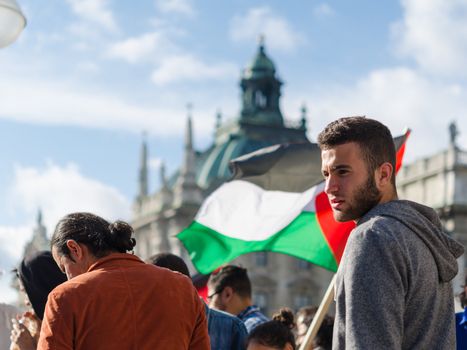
point(342, 172)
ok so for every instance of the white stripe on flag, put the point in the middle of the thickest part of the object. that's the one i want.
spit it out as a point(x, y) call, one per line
point(242, 210)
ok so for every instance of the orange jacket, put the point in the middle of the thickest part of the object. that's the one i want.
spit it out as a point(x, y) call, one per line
point(123, 303)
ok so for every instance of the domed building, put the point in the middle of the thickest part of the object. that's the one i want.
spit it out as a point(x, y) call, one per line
point(278, 280)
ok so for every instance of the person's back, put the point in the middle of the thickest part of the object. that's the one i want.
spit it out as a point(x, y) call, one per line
point(226, 332)
point(116, 301)
point(129, 305)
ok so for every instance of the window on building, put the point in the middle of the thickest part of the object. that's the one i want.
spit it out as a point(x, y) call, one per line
point(261, 300)
point(260, 99)
point(301, 300)
point(261, 258)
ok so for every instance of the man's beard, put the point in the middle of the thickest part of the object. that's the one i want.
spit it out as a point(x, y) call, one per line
point(365, 198)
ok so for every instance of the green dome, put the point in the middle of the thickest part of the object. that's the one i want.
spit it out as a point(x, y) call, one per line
point(213, 164)
point(261, 65)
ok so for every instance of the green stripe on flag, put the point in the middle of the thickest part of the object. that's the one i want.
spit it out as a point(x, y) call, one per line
point(302, 238)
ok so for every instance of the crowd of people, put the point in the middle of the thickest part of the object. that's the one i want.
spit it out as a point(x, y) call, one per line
point(246, 329)
point(393, 286)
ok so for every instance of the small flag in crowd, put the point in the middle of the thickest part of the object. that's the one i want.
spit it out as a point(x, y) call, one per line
point(275, 202)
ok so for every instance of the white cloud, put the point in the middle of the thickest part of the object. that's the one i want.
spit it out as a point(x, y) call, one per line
point(12, 242)
point(147, 47)
point(323, 10)
point(57, 191)
point(280, 34)
point(184, 7)
point(399, 97)
point(94, 11)
point(187, 67)
point(171, 63)
point(60, 190)
point(60, 104)
point(88, 67)
point(155, 163)
point(29, 94)
point(81, 35)
point(434, 33)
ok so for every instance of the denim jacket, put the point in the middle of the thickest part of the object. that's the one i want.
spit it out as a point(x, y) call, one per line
point(252, 317)
point(226, 331)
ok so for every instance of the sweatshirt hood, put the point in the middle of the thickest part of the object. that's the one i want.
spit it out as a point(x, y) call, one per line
point(425, 223)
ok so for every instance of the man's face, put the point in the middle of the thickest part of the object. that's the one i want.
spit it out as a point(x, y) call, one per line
point(215, 299)
point(351, 190)
point(68, 266)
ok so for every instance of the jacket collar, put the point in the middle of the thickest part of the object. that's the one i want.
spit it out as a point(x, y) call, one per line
point(113, 259)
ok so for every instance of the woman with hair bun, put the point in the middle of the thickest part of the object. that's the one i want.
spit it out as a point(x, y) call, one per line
point(274, 335)
point(112, 299)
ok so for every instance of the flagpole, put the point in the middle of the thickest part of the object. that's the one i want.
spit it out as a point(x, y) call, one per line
point(319, 316)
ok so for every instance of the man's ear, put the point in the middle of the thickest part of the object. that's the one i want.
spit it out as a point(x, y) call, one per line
point(288, 346)
point(227, 293)
point(76, 251)
point(384, 174)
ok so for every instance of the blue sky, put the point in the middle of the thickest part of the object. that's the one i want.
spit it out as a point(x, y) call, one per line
point(86, 77)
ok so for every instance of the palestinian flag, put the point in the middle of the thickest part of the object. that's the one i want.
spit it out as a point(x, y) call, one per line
point(275, 202)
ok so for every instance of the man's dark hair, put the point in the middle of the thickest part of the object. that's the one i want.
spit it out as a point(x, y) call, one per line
point(100, 236)
point(169, 261)
point(231, 276)
point(374, 139)
point(276, 333)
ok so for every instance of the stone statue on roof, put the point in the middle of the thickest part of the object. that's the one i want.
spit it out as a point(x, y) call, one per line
point(453, 133)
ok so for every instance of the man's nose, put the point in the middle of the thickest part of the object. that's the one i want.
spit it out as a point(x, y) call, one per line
point(331, 185)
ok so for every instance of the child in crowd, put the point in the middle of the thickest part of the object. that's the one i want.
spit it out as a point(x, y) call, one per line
point(274, 335)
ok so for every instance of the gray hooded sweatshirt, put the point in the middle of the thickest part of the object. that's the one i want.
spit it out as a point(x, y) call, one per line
point(393, 287)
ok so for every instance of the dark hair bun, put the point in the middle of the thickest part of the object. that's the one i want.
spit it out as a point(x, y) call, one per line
point(120, 234)
point(285, 316)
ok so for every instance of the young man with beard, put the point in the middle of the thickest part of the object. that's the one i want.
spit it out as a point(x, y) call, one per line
point(393, 286)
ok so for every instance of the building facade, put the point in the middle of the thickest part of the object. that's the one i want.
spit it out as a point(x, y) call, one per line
point(440, 182)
